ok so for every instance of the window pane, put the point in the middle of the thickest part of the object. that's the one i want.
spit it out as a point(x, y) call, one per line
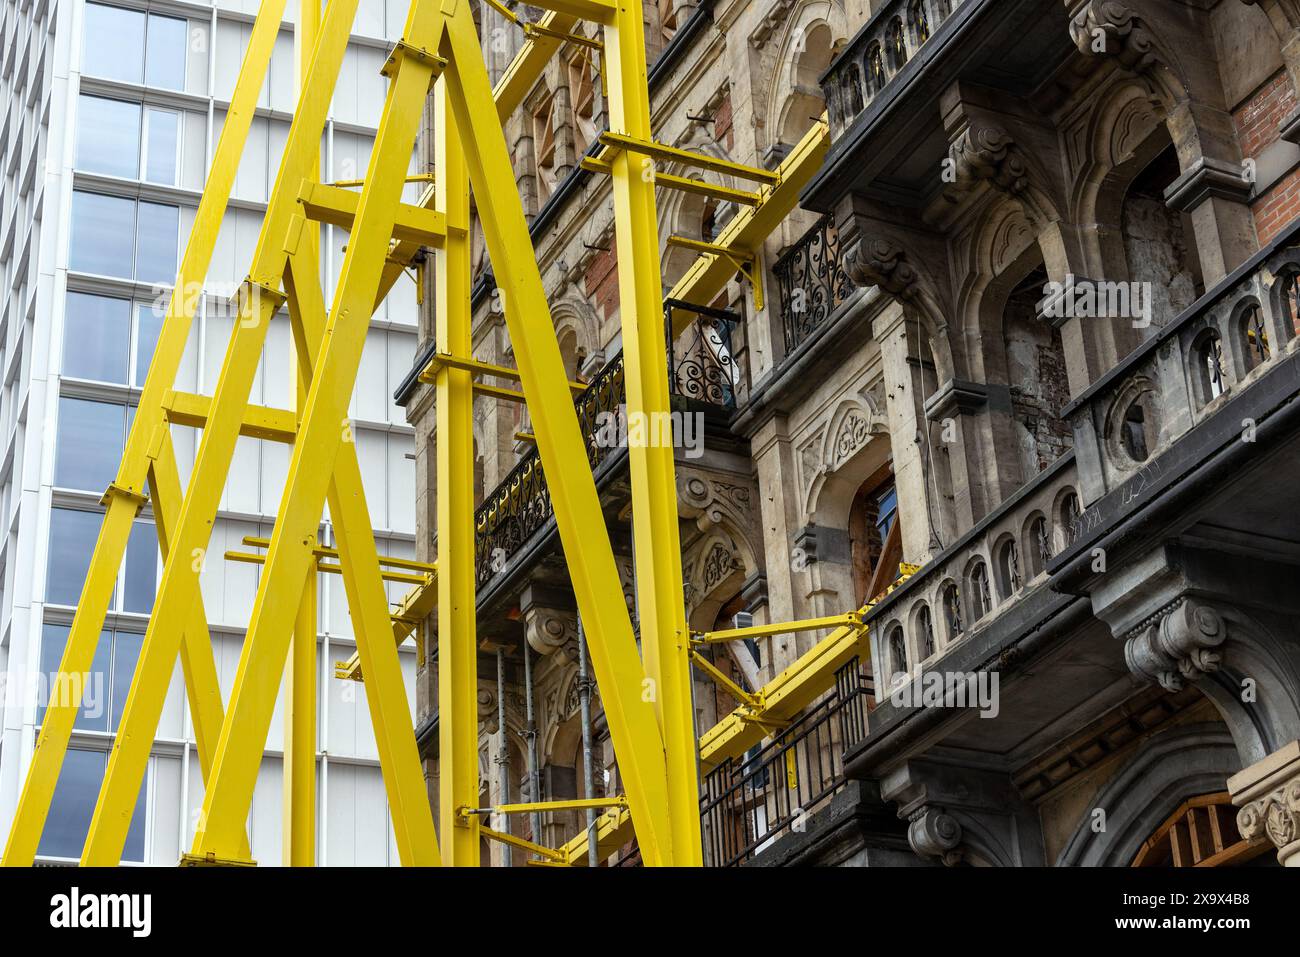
point(99, 227)
point(155, 259)
point(89, 444)
point(73, 804)
point(149, 320)
point(160, 151)
point(93, 687)
point(141, 568)
point(96, 337)
point(126, 653)
point(108, 137)
point(114, 43)
point(164, 64)
point(72, 539)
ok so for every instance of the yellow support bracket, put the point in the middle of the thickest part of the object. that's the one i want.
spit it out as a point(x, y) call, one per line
point(851, 619)
point(746, 263)
point(737, 692)
point(528, 807)
point(548, 854)
point(682, 184)
point(402, 50)
point(673, 154)
point(260, 422)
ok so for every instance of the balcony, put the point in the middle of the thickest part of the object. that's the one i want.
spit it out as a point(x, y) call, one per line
point(884, 46)
point(703, 377)
point(812, 282)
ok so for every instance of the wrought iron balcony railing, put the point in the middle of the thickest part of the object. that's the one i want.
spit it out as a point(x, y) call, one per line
point(812, 282)
point(879, 52)
point(750, 802)
point(702, 368)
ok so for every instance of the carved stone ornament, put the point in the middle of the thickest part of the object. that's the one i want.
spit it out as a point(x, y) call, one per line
point(1179, 643)
point(986, 153)
point(934, 833)
point(1109, 28)
point(882, 262)
point(549, 629)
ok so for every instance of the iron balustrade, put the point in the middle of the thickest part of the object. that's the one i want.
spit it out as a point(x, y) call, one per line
point(812, 282)
point(701, 361)
point(749, 802)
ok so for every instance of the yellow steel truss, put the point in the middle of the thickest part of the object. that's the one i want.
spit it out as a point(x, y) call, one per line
point(646, 694)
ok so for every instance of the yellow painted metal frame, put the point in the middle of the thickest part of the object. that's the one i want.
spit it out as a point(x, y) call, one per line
point(647, 695)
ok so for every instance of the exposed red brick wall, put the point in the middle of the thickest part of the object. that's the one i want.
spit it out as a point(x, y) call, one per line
point(600, 282)
point(1257, 121)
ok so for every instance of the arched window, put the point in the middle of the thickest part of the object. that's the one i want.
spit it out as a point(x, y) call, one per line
point(875, 70)
point(1040, 545)
point(924, 631)
point(1138, 428)
point(1253, 337)
point(1070, 513)
point(1207, 366)
point(918, 21)
point(897, 653)
point(897, 45)
point(952, 610)
point(851, 91)
point(1008, 565)
point(981, 599)
point(1289, 300)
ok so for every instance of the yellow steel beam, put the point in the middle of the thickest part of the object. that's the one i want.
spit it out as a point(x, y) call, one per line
point(644, 146)
point(456, 590)
point(260, 422)
point(737, 692)
point(747, 230)
point(250, 558)
point(528, 807)
point(527, 66)
point(336, 206)
point(257, 541)
point(632, 722)
point(126, 494)
point(682, 184)
point(661, 602)
point(779, 628)
point(479, 367)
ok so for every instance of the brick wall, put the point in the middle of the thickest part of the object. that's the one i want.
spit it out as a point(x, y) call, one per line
point(600, 282)
point(1257, 121)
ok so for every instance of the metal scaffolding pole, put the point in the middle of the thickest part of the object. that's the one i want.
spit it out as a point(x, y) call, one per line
point(534, 773)
point(503, 755)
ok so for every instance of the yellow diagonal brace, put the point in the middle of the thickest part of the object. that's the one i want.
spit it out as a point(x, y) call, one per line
point(110, 547)
point(527, 66)
point(180, 580)
point(479, 367)
point(661, 602)
point(737, 692)
point(582, 531)
point(548, 853)
point(314, 456)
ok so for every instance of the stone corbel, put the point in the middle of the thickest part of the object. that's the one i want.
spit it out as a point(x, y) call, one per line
point(1178, 644)
point(883, 263)
point(1108, 28)
point(549, 629)
point(985, 153)
point(934, 833)
point(1268, 795)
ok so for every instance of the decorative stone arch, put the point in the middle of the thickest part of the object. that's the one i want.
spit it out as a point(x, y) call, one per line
point(1174, 765)
point(715, 569)
point(1139, 389)
point(848, 458)
point(796, 95)
point(576, 320)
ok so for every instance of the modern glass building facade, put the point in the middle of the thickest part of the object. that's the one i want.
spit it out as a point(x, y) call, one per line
point(110, 114)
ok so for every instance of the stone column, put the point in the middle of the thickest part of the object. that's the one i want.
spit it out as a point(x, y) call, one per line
point(774, 466)
point(1268, 793)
